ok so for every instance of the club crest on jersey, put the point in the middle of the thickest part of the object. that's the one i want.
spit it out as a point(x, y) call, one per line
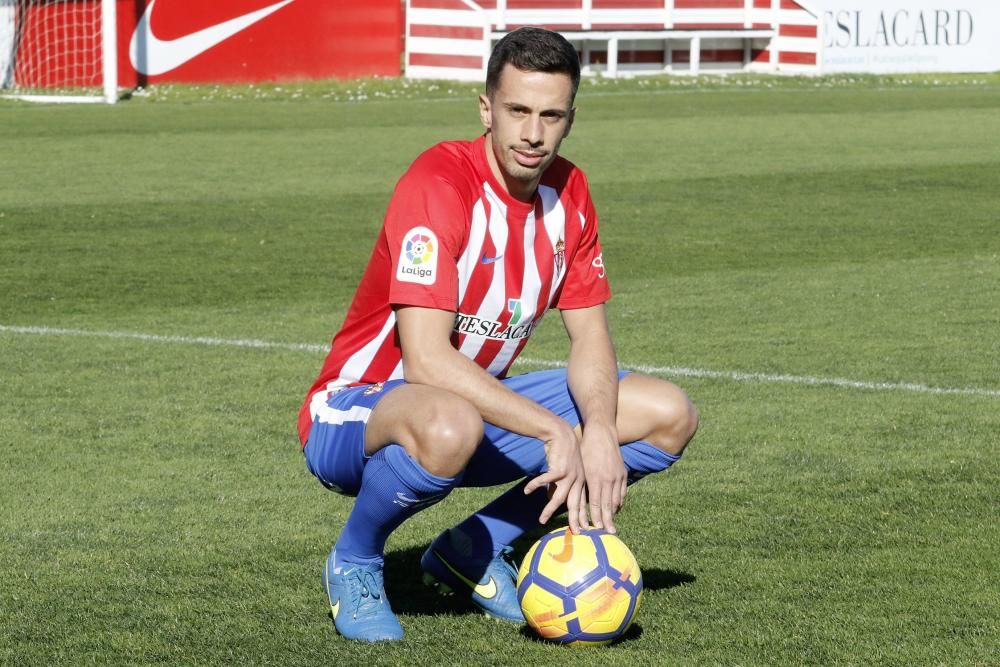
point(374, 389)
point(560, 256)
point(418, 257)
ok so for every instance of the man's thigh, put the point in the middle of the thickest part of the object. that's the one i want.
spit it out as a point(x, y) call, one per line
point(504, 456)
point(335, 449)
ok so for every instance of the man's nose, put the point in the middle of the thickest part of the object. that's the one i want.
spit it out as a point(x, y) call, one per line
point(532, 130)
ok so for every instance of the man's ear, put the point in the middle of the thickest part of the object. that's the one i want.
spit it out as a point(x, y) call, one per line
point(569, 121)
point(485, 112)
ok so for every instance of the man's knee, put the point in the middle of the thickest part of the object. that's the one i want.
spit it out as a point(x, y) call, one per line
point(669, 418)
point(678, 421)
point(438, 429)
point(446, 435)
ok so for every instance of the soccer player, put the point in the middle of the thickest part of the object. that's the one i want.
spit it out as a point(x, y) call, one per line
point(480, 239)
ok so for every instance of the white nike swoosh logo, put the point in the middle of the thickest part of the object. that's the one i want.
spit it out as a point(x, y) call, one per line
point(403, 501)
point(487, 590)
point(151, 55)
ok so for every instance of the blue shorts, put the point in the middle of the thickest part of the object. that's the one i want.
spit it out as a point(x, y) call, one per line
point(335, 450)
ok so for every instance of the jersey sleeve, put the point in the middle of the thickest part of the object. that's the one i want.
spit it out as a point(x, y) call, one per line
point(425, 234)
point(586, 281)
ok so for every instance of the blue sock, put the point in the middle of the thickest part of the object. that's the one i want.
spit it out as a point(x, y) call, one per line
point(513, 513)
point(642, 458)
point(502, 521)
point(394, 487)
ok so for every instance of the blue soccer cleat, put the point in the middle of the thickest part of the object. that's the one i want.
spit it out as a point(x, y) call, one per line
point(358, 603)
point(491, 585)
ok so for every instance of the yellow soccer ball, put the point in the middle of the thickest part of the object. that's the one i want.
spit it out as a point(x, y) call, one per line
point(580, 588)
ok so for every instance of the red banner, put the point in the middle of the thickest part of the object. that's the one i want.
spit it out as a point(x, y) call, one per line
point(224, 41)
point(244, 41)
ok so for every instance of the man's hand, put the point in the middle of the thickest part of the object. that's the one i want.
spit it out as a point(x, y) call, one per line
point(593, 380)
point(566, 474)
point(606, 475)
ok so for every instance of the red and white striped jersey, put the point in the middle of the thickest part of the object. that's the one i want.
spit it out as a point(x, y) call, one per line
point(454, 239)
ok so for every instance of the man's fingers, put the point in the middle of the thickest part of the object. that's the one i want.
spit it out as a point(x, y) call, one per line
point(576, 506)
point(609, 516)
point(616, 494)
point(596, 515)
point(582, 521)
point(561, 493)
point(548, 511)
point(537, 482)
point(602, 507)
point(583, 518)
point(572, 516)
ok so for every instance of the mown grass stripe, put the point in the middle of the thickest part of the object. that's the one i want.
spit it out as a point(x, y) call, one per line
point(670, 371)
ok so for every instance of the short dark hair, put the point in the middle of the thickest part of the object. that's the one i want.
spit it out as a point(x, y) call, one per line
point(533, 50)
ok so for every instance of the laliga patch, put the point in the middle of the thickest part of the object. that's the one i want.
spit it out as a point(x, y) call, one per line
point(418, 257)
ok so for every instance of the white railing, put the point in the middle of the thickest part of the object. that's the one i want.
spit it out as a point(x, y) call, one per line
point(752, 28)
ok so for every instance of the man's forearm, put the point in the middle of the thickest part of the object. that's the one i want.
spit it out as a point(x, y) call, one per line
point(593, 381)
point(429, 358)
point(498, 405)
point(593, 372)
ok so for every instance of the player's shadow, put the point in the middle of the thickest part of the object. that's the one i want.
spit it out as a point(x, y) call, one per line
point(657, 579)
point(404, 585)
point(633, 633)
point(653, 578)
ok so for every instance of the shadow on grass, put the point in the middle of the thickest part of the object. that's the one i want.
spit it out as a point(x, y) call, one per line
point(653, 578)
point(405, 588)
point(633, 633)
point(656, 579)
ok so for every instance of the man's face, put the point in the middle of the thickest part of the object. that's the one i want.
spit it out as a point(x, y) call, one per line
point(527, 118)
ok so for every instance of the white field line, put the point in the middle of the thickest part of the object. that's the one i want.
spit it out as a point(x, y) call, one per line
point(669, 371)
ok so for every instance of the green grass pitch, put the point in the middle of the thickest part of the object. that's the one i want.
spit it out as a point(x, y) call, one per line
point(817, 262)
